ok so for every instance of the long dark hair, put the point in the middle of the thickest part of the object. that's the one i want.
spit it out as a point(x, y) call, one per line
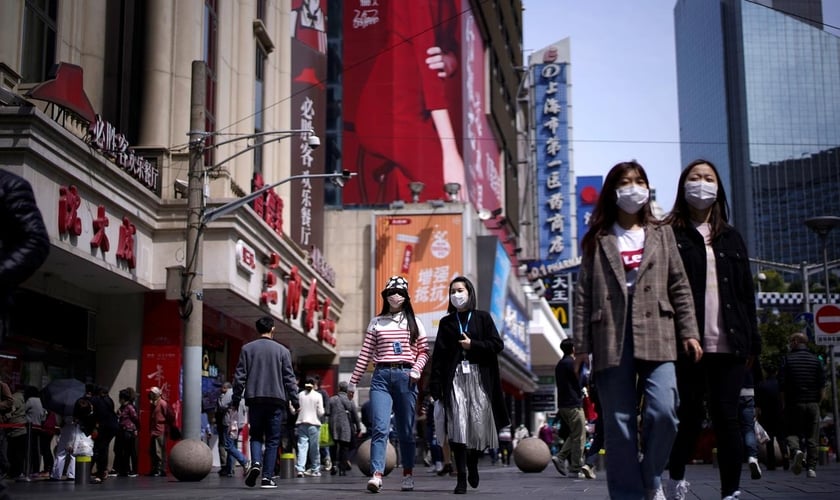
point(680, 216)
point(406, 308)
point(605, 213)
point(470, 291)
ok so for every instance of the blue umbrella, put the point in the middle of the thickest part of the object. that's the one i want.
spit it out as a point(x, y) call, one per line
point(61, 395)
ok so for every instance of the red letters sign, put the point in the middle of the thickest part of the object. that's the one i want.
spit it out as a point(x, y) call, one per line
point(68, 203)
point(125, 247)
point(310, 305)
point(268, 295)
point(326, 327)
point(100, 238)
point(293, 292)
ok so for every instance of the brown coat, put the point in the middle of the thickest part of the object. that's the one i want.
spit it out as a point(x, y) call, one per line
point(663, 310)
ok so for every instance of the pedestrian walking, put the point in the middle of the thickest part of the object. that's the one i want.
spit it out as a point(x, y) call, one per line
point(802, 382)
point(768, 400)
point(161, 420)
point(224, 412)
point(324, 451)
point(746, 413)
point(308, 423)
point(396, 343)
point(265, 379)
point(570, 411)
point(465, 377)
point(715, 258)
point(505, 445)
point(344, 426)
point(632, 309)
point(125, 443)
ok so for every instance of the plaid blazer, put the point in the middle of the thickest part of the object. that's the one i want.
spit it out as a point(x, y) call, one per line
point(663, 309)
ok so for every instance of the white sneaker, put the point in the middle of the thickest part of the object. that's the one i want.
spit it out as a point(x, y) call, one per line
point(681, 489)
point(374, 484)
point(755, 469)
point(407, 483)
point(656, 494)
point(812, 473)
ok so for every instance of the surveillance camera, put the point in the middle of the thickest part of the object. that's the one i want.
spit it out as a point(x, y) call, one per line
point(181, 187)
point(313, 141)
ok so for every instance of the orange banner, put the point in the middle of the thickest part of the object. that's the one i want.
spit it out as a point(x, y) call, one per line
point(428, 250)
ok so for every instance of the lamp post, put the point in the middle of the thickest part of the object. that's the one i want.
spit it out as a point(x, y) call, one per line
point(191, 305)
point(823, 226)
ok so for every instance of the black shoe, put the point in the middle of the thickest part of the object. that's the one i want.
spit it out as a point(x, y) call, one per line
point(268, 483)
point(447, 469)
point(461, 485)
point(252, 475)
point(472, 469)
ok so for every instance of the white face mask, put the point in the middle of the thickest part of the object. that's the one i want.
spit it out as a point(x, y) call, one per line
point(631, 198)
point(395, 301)
point(700, 194)
point(459, 299)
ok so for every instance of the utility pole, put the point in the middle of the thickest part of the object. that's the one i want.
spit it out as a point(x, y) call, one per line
point(192, 307)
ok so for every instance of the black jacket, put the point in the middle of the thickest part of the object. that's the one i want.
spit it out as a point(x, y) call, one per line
point(485, 346)
point(735, 286)
point(24, 243)
point(802, 377)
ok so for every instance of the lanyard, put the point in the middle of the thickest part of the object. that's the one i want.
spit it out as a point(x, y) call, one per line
point(465, 325)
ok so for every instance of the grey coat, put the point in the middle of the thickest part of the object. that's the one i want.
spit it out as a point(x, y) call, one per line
point(663, 308)
point(344, 419)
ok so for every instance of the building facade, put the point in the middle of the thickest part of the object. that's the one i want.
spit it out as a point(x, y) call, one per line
point(95, 111)
point(759, 97)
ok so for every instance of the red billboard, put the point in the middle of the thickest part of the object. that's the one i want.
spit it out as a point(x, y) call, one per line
point(414, 103)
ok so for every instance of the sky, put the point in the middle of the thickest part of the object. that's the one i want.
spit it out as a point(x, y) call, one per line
point(624, 82)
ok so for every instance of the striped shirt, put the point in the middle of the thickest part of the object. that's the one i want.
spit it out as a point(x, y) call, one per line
point(387, 341)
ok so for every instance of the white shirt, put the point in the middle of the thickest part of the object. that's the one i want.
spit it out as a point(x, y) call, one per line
point(631, 246)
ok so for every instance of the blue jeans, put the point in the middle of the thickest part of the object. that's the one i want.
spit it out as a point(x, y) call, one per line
point(265, 422)
point(632, 467)
point(308, 436)
point(231, 449)
point(746, 406)
point(391, 389)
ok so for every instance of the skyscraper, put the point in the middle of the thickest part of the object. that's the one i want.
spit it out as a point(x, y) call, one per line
point(759, 96)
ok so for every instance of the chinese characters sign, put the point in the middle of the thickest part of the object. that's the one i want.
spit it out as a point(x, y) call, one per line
point(554, 181)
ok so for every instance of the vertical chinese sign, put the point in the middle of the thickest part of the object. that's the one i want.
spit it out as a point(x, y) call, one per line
point(554, 182)
point(309, 74)
point(428, 251)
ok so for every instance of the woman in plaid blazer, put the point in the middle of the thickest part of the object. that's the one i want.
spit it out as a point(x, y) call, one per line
point(633, 308)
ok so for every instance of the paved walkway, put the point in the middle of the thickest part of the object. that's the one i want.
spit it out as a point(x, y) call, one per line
point(496, 482)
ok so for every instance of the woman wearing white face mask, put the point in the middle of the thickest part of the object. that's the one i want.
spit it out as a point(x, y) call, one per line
point(715, 259)
point(632, 312)
point(465, 377)
point(396, 343)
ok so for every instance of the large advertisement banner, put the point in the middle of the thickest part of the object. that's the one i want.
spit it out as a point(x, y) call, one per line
point(413, 105)
point(425, 249)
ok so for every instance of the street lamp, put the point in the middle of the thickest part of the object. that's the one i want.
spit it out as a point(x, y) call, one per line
point(197, 219)
point(823, 226)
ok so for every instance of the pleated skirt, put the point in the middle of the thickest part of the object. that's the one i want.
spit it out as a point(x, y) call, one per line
point(470, 419)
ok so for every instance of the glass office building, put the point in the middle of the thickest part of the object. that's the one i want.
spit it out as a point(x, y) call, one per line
point(759, 96)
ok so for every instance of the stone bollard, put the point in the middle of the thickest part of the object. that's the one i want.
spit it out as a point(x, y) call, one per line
point(531, 455)
point(363, 458)
point(190, 460)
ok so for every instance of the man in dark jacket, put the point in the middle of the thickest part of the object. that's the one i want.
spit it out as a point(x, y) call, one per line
point(264, 377)
point(802, 381)
point(24, 243)
point(570, 411)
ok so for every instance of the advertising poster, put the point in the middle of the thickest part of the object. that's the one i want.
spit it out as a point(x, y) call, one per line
point(413, 106)
point(426, 249)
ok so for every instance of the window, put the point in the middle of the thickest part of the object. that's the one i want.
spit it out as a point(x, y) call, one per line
point(39, 39)
point(259, 101)
point(211, 30)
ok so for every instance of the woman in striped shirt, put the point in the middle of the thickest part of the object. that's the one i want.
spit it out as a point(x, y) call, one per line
point(396, 343)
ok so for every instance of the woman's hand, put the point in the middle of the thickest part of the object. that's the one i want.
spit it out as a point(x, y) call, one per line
point(465, 342)
point(693, 349)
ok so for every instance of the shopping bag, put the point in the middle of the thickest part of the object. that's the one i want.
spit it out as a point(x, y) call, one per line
point(761, 434)
point(325, 439)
